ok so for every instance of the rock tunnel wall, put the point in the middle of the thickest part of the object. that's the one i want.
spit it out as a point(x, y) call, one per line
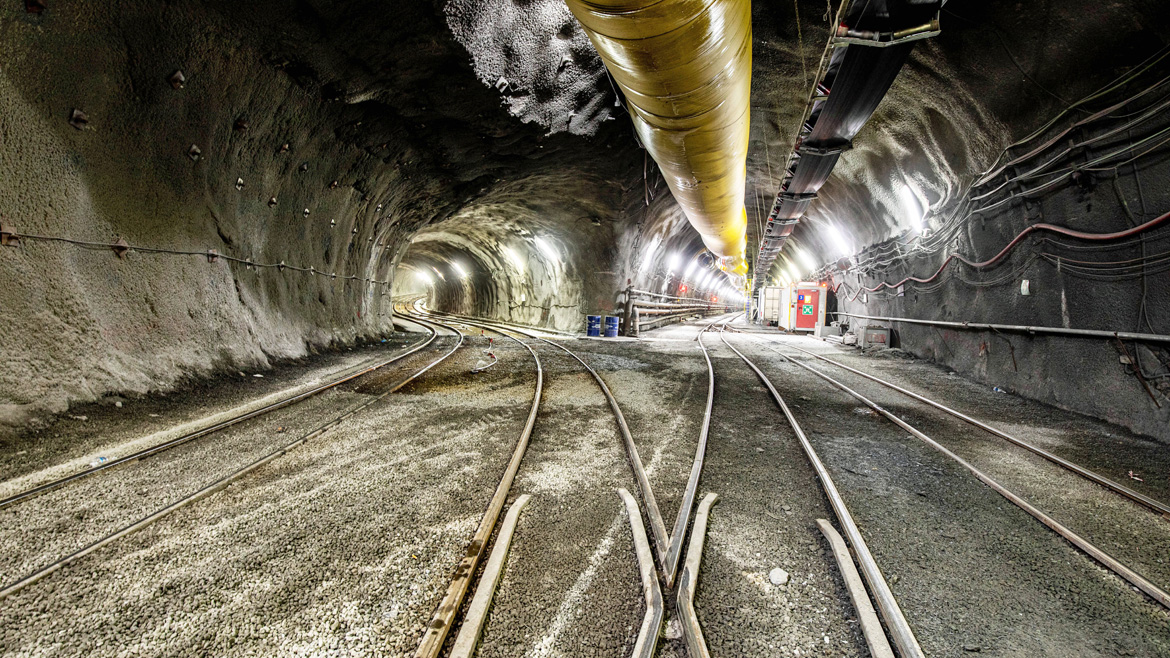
point(444, 131)
point(348, 133)
point(1098, 169)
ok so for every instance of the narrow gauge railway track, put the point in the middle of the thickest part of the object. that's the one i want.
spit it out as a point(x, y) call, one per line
point(669, 547)
point(219, 484)
point(188, 437)
point(1088, 474)
point(443, 618)
point(1084, 545)
point(669, 551)
point(431, 646)
point(898, 628)
point(692, 632)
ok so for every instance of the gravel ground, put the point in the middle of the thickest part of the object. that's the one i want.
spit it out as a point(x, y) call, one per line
point(1108, 449)
point(662, 390)
point(1123, 529)
point(43, 529)
point(341, 547)
point(766, 519)
point(971, 571)
point(571, 586)
point(105, 429)
point(344, 546)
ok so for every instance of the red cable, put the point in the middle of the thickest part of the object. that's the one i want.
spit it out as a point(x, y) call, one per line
point(1099, 237)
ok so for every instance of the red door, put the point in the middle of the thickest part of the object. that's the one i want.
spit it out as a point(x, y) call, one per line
point(808, 303)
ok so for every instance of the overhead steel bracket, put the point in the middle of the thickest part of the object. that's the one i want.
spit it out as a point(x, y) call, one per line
point(830, 149)
point(8, 237)
point(848, 37)
point(120, 247)
point(797, 196)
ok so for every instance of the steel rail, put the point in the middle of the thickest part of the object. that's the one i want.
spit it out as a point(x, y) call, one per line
point(652, 621)
point(891, 612)
point(472, 627)
point(200, 433)
point(443, 618)
point(871, 626)
point(678, 534)
point(1127, 574)
point(657, 525)
point(219, 484)
point(1092, 476)
point(688, 582)
point(674, 551)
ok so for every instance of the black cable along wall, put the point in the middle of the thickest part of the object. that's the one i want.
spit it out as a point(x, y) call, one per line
point(1097, 168)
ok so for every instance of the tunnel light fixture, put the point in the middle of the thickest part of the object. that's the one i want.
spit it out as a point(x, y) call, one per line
point(691, 269)
point(912, 206)
point(795, 273)
point(514, 258)
point(463, 274)
point(424, 278)
point(648, 257)
point(673, 263)
point(805, 259)
point(838, 239)
point(550, 252)
point(438, 273)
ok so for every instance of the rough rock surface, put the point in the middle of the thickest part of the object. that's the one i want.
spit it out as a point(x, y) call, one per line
point(436, 133)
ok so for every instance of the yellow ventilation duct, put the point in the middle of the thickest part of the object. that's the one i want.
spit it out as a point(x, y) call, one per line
point(685, 67)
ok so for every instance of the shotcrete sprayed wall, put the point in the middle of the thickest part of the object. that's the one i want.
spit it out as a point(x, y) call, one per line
point(517, 255)
point(1048, 279)
point(1089, 172)
point(318, 135)
point(438, 132)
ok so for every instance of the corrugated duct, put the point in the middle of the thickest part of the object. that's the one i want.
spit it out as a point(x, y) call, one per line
point(685, 69)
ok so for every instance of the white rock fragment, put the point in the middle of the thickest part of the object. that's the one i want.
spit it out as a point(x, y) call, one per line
point(778, 576)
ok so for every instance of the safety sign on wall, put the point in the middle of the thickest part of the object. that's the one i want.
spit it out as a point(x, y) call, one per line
point(807, 309)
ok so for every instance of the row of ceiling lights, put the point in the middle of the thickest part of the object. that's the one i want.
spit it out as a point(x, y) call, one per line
point(546, 248)
point(914, 205)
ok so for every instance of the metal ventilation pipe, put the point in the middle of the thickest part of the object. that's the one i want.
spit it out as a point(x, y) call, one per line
point(685, 69)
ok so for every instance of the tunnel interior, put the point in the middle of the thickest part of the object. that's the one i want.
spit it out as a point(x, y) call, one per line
point(334, 158)
point(197, 192)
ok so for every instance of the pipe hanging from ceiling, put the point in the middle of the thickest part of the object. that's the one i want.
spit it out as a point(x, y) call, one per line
point(685, 69)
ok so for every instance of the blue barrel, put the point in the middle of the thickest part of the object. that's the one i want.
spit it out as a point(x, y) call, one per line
point(592, 325)
point(611, 326)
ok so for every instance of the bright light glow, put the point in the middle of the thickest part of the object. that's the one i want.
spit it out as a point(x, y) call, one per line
point(440, 274)
point(648, 257)
point(424, 278)
point(806, 260)
point(796, 275)
point(703, 278)
point(691, 269)
point(515, 259)
point(550, 252)
point(463, 274)
point(912, 206)
point(673, 263)
point(838, 239)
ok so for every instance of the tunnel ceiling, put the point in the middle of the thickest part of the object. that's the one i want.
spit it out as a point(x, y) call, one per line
point(997, 71)
point(472, 96)
point(356, 139)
